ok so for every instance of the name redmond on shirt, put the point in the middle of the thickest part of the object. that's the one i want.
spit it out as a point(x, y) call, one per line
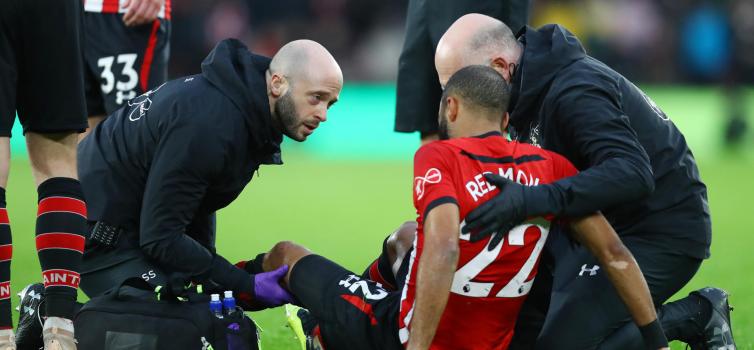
point(478, 185)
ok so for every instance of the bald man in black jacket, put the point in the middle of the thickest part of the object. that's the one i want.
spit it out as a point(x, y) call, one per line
point(635, 167)
point(157, 170)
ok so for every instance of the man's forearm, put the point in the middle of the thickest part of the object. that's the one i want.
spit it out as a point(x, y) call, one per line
point(613, 182)
point(182, 253)
point(436, 268)
point(620, 266)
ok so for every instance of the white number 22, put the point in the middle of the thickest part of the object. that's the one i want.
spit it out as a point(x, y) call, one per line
point(518, 286)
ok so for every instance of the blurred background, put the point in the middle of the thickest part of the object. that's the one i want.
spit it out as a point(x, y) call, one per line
point(349, 185)
point(652, 41)
point(658, 42)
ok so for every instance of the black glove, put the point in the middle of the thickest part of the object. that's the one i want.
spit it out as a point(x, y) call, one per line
point(508, 209)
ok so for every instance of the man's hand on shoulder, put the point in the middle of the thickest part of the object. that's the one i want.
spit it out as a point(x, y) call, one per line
point(512, 206)
point(498, 215)
point(140, 12)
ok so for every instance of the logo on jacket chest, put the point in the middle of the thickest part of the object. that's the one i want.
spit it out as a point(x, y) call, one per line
point(141, 104)
point(531, 136)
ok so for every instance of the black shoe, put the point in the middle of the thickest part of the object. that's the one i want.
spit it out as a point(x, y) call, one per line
point(29, 332)
point(717, 333)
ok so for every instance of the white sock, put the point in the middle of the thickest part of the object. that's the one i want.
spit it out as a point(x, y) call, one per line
point(6, 332)
point(59, 322)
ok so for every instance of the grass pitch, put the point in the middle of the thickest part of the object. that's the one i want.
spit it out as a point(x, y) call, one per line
point(343, 209)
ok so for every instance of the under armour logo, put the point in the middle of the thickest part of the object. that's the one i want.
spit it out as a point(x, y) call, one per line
point(592, 271)
point(35, 295)
point(432, 176)
point(29, 310)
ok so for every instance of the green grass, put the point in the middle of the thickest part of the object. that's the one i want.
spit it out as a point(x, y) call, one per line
point(343, 209)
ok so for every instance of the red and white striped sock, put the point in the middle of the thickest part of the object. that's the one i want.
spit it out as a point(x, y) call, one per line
point(6, 252)
point(61, 225)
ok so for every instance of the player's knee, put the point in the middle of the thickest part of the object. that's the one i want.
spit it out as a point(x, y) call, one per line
point(283, 248)
point(403, 238)
point(284, 253)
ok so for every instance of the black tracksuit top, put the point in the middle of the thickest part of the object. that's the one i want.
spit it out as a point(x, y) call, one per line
point(162, 165)
point(635, 164)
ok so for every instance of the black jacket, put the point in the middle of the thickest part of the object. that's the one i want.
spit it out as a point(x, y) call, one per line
point(161, 166)
point(635, 164)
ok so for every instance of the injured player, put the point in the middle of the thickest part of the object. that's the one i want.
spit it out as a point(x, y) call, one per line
point(432, 287)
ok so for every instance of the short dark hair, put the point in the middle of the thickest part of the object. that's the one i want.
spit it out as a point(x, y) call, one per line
point(481, 87)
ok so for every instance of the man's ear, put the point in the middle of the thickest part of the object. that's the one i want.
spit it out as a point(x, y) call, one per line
point(278, 85)
point(452, 109)
point(499, 64)
point(504, 122)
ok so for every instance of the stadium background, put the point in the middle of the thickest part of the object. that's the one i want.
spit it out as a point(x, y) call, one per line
point(349, 185)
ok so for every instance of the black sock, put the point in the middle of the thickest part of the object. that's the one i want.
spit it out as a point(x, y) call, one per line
point(61, 224)
point(6, 251)
point(685, 319)
point(255, 266)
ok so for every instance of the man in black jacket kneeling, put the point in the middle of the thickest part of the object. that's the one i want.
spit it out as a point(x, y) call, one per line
point(156, 171)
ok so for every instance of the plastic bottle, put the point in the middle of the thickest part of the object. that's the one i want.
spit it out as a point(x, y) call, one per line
point(229, 303)
point(215, 306)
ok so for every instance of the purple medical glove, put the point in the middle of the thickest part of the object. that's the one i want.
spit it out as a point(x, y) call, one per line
point(267, 288)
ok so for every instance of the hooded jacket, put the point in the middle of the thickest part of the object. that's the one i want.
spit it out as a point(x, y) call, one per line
point(161, 166)
point(635, 164)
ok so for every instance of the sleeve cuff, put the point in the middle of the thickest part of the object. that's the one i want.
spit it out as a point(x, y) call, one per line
point(229, 276)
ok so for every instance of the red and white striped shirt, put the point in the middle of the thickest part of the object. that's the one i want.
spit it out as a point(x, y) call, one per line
point(117, 6)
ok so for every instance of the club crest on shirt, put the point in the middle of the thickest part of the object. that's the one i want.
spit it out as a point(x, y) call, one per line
point(432, 176)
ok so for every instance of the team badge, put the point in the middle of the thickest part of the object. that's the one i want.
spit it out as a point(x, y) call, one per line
point(432, 176)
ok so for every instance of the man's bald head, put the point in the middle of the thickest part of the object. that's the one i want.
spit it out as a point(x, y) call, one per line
point(301, 58)
point(303, 81)
point(476, 39)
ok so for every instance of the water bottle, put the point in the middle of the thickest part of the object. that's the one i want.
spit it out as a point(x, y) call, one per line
point(215, 306)
point(229, 303)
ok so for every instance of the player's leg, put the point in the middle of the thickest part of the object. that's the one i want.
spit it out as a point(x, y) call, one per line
point(93, 283)
point(8, 74)
point(6, 250)
point(395, 247)
point(51, 109)
point(350, 312)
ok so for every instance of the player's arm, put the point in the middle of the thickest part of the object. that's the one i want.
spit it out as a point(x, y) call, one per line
point(437, 265)
point(596, 233)
point(140, 12)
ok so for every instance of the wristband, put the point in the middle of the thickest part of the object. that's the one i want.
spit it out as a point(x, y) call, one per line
point(653, 335)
